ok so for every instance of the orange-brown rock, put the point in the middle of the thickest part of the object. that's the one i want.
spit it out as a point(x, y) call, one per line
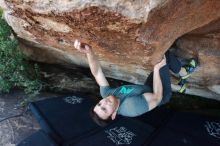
point(129, 37)
point(204, 43)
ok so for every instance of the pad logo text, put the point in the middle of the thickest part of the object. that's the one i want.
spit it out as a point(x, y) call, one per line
point(73, 99)
point(120, 135)
point(213, 129)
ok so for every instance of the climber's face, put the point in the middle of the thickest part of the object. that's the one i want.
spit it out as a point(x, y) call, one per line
point(106, 108)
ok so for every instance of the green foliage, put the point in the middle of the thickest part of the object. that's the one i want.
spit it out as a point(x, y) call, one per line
point(15, 71)
point(1, 11)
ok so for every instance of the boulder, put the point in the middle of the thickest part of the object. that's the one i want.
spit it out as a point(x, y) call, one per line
point(128, 37)
point(204, 43)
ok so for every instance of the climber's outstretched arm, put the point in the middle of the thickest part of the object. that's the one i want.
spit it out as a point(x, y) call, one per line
point(94, 65)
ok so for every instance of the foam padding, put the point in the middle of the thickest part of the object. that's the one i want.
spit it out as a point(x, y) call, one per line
point(38, 139)
point(67, 121)
point(125, 131)
point(170, 137)
point(65, 118)
point(157, 117)
point(187, 129)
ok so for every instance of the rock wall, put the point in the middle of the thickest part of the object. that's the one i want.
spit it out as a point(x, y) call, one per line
point(204, 43)
point(129, 37)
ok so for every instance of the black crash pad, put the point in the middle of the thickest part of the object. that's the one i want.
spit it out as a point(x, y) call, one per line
point(125, 131)
point(188, 129)
point(38, 139)
point(65, 118)
point(67, 121)
point(156, 117)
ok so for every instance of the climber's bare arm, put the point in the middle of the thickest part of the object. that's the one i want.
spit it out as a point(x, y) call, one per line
point(155, 98)
point(94, 65)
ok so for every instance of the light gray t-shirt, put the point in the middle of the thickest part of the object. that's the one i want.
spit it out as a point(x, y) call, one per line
point(132, 101)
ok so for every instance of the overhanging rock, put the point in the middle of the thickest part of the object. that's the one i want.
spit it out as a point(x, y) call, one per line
point(127, 36)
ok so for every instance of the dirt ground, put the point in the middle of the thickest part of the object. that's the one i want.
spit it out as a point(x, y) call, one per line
point(14, 130)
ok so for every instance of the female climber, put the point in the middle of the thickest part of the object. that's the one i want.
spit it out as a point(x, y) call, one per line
point(134, 100)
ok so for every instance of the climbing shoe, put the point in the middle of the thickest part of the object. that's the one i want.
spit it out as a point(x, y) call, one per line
point(190, 68)
point(182, 88)
point(182, 83)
